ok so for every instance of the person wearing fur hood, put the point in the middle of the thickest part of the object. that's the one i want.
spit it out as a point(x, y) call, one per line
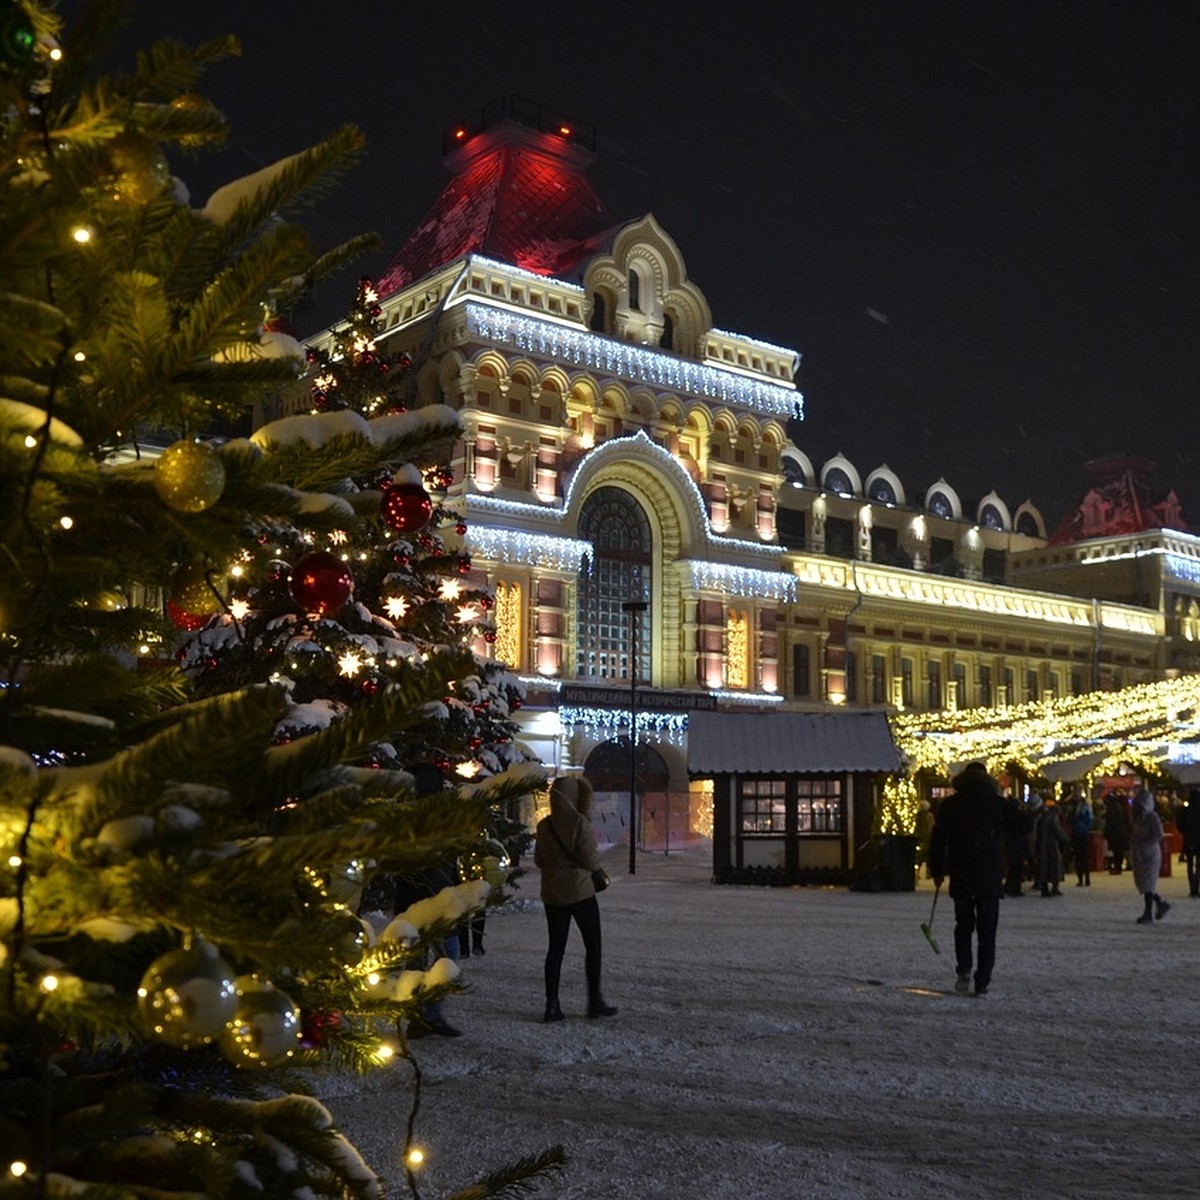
point(565, 851)
point(1145, 848)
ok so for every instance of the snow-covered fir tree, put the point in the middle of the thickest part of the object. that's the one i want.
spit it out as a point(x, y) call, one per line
point(334, 616)
point(178, 944)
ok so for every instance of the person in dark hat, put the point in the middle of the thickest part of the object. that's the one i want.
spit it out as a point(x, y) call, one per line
point(968, 845)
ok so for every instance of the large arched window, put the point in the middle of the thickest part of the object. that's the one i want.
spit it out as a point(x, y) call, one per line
point(617, 571)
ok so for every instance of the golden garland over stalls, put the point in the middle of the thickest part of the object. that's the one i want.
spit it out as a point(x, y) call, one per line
point(1149, 726)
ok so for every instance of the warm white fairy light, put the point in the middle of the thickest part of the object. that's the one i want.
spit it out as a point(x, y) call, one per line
point(14, 860)
point(82, 234)
point(239, 609)
point(415, 1156)
point(337, 537)
point(49, 983)
point(1141, 722)
point(468, 770)
point(450, 590)
point(350, 663)
point(17, 1168)
point(67, 522)
point(384, 1052)
point(395, 607)
point(467, 614)
point(30, 441)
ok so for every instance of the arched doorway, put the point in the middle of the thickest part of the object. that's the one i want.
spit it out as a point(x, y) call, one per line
point(663, 818)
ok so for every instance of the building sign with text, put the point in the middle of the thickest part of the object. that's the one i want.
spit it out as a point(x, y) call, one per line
point(648, 699)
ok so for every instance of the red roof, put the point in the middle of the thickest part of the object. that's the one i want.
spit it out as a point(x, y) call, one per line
point(518, 195)
point(1119, 502)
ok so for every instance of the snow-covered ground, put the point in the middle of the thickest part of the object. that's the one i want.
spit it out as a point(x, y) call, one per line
point(777, 1044)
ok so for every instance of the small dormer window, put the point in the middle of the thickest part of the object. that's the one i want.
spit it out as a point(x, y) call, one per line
point(836, 480)
point(940, 506)
point(635, 290)
point(882, 491)
point(990, 518)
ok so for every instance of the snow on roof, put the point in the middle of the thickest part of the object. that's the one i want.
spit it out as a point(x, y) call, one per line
point(790, 743)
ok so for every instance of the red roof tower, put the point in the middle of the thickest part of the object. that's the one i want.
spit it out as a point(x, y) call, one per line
point(1118, 502)
point(518, 195)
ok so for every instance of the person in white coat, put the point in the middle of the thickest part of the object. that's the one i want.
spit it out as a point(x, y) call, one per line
point(1145, 848)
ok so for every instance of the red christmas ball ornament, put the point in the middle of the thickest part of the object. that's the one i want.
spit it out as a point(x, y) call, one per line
point(406, 507)
point(489, 636)
point(486, 603)
point(516, 704)
point(464, 565)
point(318, 1026)
point(370, 685)
point(321, 582)
point(460, 528)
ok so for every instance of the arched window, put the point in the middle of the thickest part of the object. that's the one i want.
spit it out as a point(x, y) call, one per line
point(617, 571)
point(667, 341)
point(882, 491)
point(1027, 525)
point(990, 518)
point(836, 480)
point(635, 290)
point(940, 506)
point(598, 323)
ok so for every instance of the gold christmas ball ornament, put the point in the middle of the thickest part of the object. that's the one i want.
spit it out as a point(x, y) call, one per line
point(265, 1028)
point(191, 592)
point(187, 996)
point(189, 476)
point(139, 167)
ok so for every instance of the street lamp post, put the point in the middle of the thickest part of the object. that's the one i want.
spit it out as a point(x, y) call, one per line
point(634, 608)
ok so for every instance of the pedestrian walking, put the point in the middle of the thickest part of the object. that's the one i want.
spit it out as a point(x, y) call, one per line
point(968, 845)
point(1187, 821)
point(1145, 846)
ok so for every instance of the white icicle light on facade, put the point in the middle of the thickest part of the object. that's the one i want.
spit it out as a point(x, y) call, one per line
point(629, 362)
point(512, 547)
point(601, 724)
point(742, 581)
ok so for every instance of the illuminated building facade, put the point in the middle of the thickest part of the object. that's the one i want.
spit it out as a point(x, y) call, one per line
point(619, 447)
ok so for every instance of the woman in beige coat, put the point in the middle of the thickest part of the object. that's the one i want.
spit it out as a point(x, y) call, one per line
point(565, 851)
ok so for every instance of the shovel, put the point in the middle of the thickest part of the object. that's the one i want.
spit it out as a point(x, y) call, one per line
point(927, 926)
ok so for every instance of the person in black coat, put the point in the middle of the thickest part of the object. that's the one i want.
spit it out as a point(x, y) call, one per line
point(1016, 845)
point(1116, 830)
point(1187, 821)
point(968, 845)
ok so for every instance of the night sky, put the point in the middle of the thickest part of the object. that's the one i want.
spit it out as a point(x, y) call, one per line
point(977, 222)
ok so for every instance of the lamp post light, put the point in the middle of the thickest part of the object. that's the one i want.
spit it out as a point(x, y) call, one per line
point(634, 608)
